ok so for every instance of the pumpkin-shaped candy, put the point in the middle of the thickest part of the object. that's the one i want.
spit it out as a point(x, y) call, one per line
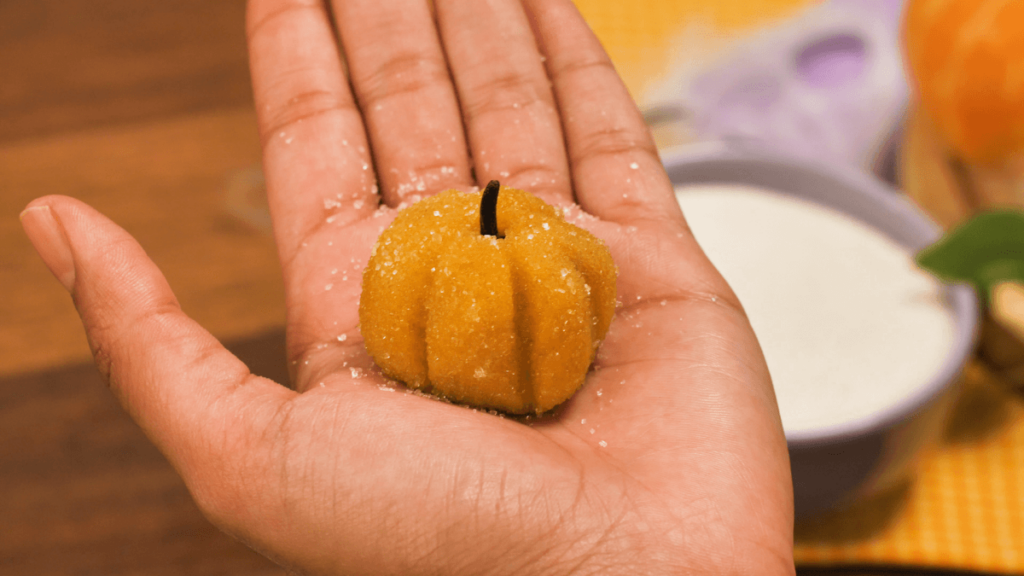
point(487, 299)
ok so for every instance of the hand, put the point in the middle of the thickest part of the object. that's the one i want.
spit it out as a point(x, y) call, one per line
point(670, 459)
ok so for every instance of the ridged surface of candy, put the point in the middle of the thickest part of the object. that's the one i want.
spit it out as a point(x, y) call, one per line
point(510, 323)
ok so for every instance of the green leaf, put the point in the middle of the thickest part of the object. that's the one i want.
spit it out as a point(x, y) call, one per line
point(985, 250)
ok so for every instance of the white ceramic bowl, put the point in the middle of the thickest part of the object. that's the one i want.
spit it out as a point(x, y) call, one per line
point(835, 466)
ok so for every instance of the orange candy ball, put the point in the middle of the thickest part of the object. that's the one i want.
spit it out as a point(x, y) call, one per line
point(966, 58)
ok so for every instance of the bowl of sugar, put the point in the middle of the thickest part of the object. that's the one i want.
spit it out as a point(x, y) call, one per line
point(865, 349)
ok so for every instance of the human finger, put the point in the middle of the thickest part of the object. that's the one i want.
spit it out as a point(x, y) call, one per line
point(616, 170)
point(510, 113)
point(401, 80)
point(315, 155)
point(191, 397)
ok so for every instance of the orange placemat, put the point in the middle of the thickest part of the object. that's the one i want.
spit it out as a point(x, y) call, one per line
point(966, 508)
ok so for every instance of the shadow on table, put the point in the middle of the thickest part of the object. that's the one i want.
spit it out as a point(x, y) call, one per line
point(983, 409)
point(884, 571)
point(859, 521)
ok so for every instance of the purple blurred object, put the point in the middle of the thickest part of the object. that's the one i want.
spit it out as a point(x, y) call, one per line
point(828, 85)
point(832, 62)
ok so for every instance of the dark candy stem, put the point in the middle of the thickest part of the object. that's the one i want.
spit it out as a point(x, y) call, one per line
point(489, 209)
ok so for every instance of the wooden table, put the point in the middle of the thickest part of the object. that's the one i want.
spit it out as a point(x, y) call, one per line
point(141, 108)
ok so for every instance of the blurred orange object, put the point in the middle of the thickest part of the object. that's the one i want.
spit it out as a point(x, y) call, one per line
point(966, 59)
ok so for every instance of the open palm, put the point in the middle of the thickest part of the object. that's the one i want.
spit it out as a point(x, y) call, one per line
point(670, 459)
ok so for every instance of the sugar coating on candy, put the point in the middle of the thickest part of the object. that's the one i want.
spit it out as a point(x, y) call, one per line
point(508, 322)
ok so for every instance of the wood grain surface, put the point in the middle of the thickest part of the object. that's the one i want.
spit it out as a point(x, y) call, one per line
point(70, 65)
point(85, 493)
point(142, 109)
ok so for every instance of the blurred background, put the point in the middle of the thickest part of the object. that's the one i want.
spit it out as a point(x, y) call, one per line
point(143, 110)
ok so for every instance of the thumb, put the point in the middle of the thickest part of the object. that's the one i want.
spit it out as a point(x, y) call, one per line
point(197, 402)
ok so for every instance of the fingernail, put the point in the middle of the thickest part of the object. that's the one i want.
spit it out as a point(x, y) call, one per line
point(50, 241)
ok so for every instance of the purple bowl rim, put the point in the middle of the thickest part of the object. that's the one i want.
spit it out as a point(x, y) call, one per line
point(961, 297)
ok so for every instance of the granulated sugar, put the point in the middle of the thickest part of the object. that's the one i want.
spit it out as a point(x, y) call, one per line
point(848, 324)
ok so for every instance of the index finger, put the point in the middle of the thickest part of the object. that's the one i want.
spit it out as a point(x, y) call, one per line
point(315, 155)
point(616, 170)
